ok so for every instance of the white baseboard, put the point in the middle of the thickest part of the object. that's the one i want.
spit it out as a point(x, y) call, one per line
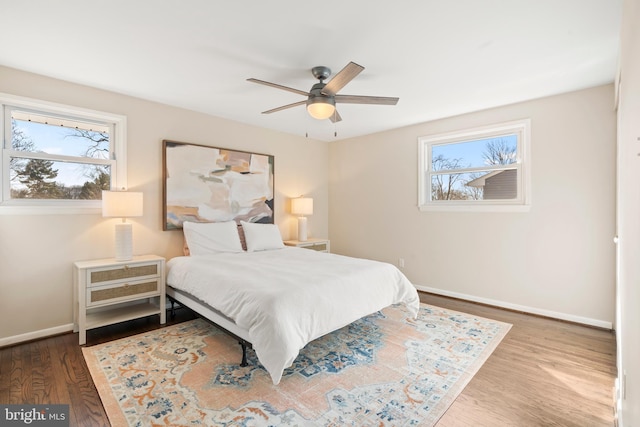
point(29, 336)
point(532, 310)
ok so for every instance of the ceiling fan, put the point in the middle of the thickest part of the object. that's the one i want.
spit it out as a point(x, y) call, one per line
point(322, 98)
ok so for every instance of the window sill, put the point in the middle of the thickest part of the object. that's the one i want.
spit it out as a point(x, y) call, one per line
point(474, 208)
point(84, 208)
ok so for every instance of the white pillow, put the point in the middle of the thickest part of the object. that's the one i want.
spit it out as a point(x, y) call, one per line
point(261, 237)
point(206, 238)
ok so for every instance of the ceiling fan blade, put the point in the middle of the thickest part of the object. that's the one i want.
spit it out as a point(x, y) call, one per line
point(284, 107)
point(335, 117)
point(356, 99)
point(277, 86)
point(343, 77)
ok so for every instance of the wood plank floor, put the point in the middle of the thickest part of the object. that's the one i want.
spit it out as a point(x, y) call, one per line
point(544, 373)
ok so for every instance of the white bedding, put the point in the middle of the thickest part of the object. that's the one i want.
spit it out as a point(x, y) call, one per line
point(288, 297)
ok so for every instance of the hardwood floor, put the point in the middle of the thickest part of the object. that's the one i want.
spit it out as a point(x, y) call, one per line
point(544, 373)
point(53, 370)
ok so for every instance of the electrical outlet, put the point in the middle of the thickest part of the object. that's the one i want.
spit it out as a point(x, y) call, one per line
point(401, 262)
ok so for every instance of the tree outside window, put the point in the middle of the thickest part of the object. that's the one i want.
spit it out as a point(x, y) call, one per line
point(57, 159)
point(478, 167)
point(38, 178)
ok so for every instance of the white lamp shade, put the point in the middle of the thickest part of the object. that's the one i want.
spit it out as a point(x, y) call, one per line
point(122, 204)
point(302, 206)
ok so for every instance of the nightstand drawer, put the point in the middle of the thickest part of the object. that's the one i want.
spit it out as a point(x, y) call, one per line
point(100, 276)
point(320, 245)
point(100, 295)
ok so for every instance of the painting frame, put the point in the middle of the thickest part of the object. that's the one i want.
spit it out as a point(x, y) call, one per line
point(203, 183)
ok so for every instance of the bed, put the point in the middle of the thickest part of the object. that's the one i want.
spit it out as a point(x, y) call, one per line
point(277, 298)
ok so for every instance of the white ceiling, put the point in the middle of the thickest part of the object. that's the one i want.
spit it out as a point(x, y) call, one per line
point(441, 58)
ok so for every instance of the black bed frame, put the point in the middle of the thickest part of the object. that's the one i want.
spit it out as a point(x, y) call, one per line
point(243, 343)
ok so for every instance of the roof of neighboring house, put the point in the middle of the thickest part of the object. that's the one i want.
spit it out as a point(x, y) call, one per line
point(481, 181)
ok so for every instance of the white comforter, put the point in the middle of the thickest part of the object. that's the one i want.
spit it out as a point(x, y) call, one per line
point(288, 297)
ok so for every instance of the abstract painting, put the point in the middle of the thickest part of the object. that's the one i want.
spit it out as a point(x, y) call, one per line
point(210, 184)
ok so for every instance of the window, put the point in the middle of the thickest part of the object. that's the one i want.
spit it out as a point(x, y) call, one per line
point(478, 169)
point(57, 158)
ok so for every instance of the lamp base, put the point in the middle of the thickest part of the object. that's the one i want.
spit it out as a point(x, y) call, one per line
point(124, 241)
point(302, 229)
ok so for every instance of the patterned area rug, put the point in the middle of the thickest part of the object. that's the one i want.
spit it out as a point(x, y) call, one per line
point(383, 370)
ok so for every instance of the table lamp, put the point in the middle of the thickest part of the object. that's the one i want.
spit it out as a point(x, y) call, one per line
point(122, 204)
point(302, 206)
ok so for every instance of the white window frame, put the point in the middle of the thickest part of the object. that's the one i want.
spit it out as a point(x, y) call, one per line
point(118, 155)
point(523, 164)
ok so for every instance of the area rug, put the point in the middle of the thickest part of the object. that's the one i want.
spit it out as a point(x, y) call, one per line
point(386, 369)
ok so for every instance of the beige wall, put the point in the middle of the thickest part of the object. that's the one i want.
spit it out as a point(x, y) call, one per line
point(37, 251)
point(558, 259)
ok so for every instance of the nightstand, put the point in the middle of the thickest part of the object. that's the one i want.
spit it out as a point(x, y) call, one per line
point(107, 291)
point(320, 245)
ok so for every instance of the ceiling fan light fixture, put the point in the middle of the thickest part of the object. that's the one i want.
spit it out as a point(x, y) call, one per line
point(321, 99)
point(321, 107)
